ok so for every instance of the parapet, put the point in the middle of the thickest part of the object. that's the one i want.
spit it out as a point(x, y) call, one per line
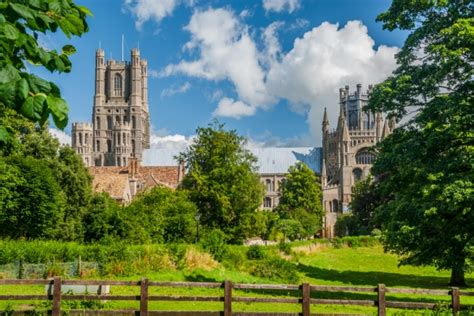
point(76, 126)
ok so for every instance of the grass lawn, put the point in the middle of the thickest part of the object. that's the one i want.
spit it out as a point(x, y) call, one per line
point(364, 266)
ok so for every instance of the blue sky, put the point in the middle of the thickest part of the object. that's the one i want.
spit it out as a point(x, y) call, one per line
point(266, 68)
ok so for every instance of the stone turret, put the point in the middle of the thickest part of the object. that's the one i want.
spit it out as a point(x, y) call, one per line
point(82, 141)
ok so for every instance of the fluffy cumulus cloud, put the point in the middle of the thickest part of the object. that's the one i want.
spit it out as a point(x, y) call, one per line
point(308, 76)
point(145, 10)
point(64, 139)
point(226, 52)
point(324, 60)
point(176, 141)
point(281, 5)
point(228, 107)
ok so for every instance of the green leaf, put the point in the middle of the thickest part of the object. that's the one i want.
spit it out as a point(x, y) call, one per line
point(2, 18)
point(33, 107)
point(84, 10)
point(9, 31)
point(23, 88)
point(8, 73)
point(22, 10)
point(68, 50)
point(59, 110)
point(4, 135)
point(38, 85)
point(77, 27)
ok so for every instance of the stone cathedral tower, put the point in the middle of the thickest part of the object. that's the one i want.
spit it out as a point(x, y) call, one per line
point(347, 157)
point(120, 126)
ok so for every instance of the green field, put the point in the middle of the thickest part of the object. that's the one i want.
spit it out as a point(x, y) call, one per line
point(320, 265)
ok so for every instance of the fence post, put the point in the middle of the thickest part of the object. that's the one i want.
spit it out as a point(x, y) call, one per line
point(381, 299)
point(306, 302)
point(21, 269)
point(227, 298)
point(56, 296)
point(144, 297)
point(79, 266)
point(455, 300)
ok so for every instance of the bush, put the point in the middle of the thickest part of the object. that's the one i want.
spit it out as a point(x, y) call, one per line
point(215, 242)
point(276, 269)
point(234, 258)
point(255, 253)
point(355, 241)
point(284, 247)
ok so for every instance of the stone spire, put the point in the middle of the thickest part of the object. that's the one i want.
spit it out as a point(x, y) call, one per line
point(325, 122)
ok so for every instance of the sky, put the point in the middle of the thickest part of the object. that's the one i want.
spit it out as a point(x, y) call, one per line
point(266, 68)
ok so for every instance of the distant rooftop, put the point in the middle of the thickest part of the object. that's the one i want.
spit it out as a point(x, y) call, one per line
point(270, 159)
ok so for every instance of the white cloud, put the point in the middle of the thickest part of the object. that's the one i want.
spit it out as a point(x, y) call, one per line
point(272, 44)
point(175, 141)
point(308, 76)
point(145, 10)
point(324, 60)
point(281, 5)
point(228, 107)
point(175, 90)
point(64, 139)
point(226, 52)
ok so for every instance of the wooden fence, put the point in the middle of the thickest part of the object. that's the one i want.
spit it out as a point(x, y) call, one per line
point(228, 298)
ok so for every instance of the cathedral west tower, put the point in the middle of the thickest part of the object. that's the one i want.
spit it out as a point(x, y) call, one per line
point(120, 117)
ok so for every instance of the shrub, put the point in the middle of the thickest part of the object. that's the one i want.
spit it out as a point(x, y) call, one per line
point(196, 259)
point(234, 258)
point(177, 253)
point(276, 269)
point(214, 242)
point(255, 253)
point(284, 247)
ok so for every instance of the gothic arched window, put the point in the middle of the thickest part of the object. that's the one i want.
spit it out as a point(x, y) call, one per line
point(364, 157)
point(267, 202)
point(357, 173)
point(118, 85)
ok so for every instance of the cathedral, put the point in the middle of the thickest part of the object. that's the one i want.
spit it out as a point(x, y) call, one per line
point(347, 155)
point(116, 145)
point(120, 126)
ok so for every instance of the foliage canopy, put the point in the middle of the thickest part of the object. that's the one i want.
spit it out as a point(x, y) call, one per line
point(222, 179)
point(425, 168)
point(22, 22)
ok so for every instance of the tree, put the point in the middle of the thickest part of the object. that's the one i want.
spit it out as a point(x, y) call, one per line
point(301, 198)
point(32, 202)
point(58, 190)
point(21, 22)
point(365, 200)
point(425, 168)
point(161, 215)
point(222, 179)
point(102, 219)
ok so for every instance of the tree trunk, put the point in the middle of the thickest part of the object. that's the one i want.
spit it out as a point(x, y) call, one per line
point(457, 276)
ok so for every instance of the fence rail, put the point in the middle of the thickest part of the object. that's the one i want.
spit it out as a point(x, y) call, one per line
point(228, 298)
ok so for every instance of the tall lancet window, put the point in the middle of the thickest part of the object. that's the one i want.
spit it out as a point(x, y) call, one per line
point(118, 85)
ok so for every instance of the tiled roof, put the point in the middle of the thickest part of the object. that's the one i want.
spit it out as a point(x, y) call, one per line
point(110, 180)
point(115, 180)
